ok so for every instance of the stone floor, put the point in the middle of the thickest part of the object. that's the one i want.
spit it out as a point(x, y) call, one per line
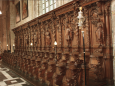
point(9, 78)
point(13, 77)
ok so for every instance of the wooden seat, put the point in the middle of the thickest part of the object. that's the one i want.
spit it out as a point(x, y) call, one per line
point(37, 65)
point(43, 68)
point(51, 70)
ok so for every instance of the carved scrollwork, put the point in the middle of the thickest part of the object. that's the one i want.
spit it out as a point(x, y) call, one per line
point(99, 5)
point(43, 32)
point(53, 15)
point(59, 28)
point(107, 8)
point(53, 28)
point(58, 23)
point(99, 68)
point(86, 24)
point(27, 39)
point(75, 5)
point(66, 19)
point(42, 27)
point(39, 36)
point(94, 17)
point(76, 32)
point(36, 41)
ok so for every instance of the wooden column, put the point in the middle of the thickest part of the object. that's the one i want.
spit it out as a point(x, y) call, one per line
point(109, 60)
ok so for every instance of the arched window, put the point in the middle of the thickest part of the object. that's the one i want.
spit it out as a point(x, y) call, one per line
point(48, 5)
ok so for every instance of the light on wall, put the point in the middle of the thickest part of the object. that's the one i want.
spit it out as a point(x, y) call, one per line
point(13, 46)
point(31, 44)
point(0, 11)
point(55, 43)
point(7, 47)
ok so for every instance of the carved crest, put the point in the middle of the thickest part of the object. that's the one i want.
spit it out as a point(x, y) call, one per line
point(94, 17)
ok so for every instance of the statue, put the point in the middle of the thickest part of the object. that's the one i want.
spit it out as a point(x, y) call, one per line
point(68, 34)
point(25, 41)
point(28, 40)
point(48, 38)
point(99, 34)
point(76, 32)
point(20, 42)
point(36, 38)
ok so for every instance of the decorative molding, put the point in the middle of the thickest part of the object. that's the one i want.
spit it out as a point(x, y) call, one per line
point(61, 25)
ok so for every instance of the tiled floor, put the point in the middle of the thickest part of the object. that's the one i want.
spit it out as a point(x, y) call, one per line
point(8, 78)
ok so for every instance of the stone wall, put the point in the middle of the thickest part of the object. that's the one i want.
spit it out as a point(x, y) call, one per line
point(4, 26)
point(34, 9)
point(31, 12)
point(113, 31)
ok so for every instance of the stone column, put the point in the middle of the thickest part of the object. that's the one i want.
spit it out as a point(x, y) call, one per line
point(12, 25)
point(4, 41)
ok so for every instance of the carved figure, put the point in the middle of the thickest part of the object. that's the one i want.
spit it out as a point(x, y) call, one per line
point(20, 42)
point(48, 38)
point(76, 30)
point(36, 38)
point(68, 34)
point(99, 34)
point(28, 40)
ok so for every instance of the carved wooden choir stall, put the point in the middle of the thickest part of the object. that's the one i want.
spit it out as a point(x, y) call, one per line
point(65, 66)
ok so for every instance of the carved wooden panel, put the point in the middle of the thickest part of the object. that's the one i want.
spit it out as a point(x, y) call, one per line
point(61, 25)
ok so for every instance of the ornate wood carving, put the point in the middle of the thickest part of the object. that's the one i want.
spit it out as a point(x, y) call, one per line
point(86, 26)
point(59, 28)
point(43, 35)
point(99, 5)
point(48, 37)
point(61, 25)
point(99, 33)
point(94, 16)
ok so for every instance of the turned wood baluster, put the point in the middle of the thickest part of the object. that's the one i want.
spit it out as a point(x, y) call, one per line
point(51, 69)
point(30, 69)
point(38, 65)
point(44, 66)
point(60, 70)
point(74, 72)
